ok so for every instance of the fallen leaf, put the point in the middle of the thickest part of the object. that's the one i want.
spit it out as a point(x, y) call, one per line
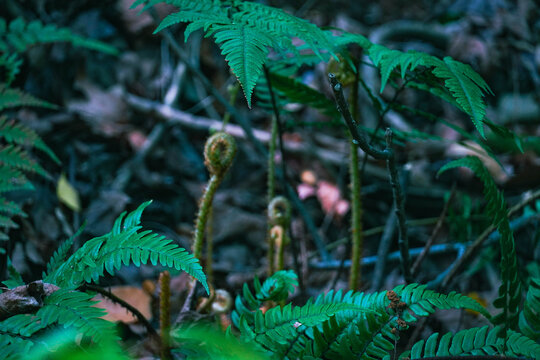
point(135, 296)
point(67, 194)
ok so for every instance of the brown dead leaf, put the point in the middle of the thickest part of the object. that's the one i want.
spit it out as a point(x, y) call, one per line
point(135, 296)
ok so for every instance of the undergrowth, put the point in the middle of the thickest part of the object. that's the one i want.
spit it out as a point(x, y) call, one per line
point(52, 314)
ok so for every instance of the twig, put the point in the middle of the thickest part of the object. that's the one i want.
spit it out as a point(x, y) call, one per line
point(149, 328)
point(435, 233)
point(386, 154)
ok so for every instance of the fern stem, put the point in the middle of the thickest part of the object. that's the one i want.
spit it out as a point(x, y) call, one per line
point(357, 235)
point(271, 188)
point(386, 154)
point(165, 314)
point(219, 153)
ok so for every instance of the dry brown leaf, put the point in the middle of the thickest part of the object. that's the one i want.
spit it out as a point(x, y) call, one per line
point(135, 296)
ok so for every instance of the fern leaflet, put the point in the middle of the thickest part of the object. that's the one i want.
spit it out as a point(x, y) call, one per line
point(123, 245)
point(529, 318)
point(510, 289)
point(475, 341)
point(461, 82)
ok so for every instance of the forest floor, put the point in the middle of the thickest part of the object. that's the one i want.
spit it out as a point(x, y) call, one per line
point(132, 127)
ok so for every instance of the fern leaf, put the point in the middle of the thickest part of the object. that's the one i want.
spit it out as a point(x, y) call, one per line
point(510, 289)
point(123, 245)
point(475, 341)
point(19, 35)
point(245, 49)
point(14, 98)
point(276, 288)
point(19, 134)
point(460, 80)
point(529, 318)
point(12, 347)
point(12, 179)
point(200, 15)
point(12, 63)
point(75, 309)
point(61, 254)
point(15, 157)
point(278, 330)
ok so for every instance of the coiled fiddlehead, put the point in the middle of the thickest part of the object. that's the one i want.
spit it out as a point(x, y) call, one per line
point(279, 215)
point(219, 152)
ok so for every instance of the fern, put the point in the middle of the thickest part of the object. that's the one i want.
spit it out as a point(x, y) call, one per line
point(374, 335)
point(529, 318)
point(510, 289)
point(475, 341)
point(65, 307)
point(10, 98)
point(19, 36)
point(123, 245)
point(61, 254)
point(461, 82)
point(276, 288)
point(245, 31)
point(336, 325)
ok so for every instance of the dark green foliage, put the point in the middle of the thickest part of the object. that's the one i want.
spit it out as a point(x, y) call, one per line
point(245, 31)
point(462, 87)
point(65, 307)
point(475, 341)
point(276, 288)
point(529, 318)
point(510, 289)
point(336, 325)
point(125, 244)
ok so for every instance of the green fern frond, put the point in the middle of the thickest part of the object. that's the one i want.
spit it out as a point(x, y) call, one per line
point(15, 133)
point(529, 318)
point(200, 15)
point(75, 309)
point(12, 63)
point(61, 254)
point(11, 208)
point(19, 36)
point(510, 289)
point(245, 49)
point(16, 157)
point(475, 341)
point(12, 179)
point(10, 98)
point(368, 335)
point(281, 330)
point(245, 31)
point(460, 81)
point(12, 346)
point(122, 246)
point(276, 288)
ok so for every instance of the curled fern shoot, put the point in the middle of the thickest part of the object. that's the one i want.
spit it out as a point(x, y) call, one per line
point(219, 152)
point(510, 289)
point(279, 216)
